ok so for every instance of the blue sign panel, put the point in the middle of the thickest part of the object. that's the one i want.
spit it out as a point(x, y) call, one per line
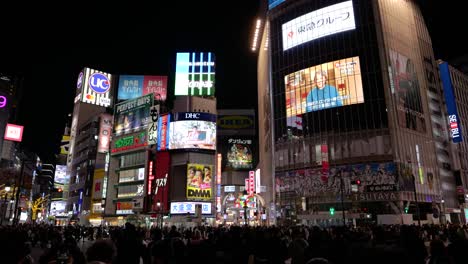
point(130, 86)
point(454, 120)
point(274, 3)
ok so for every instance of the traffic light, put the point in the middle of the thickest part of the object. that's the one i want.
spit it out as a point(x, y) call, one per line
point(332, 211)
point(358, 182)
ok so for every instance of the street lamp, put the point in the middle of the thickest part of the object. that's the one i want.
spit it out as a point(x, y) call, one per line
point(5, 205)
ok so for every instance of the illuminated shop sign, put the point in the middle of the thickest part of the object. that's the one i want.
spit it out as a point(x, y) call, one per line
point(189, 207)
point(320, 23)
point(454, 120)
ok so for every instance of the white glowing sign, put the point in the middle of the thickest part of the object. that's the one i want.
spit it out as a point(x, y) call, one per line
point(319, 23)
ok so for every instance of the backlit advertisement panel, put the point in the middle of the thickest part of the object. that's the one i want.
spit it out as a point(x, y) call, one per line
point(130, 142)
point(195, 74)
point(58, 208)
point(327, 85)
point(317, 24)
point(105, 133)
point(454, 120)
point(161, 182)
point(96, 87)
point(189, 207)
point(193, 130)
point(163, 131)
point(199, 178)
point(98, 183)
point(14, 132)
point(61, 174)
point(132, 115)
point(405, 87)
point(238, 153)
point(133, 86)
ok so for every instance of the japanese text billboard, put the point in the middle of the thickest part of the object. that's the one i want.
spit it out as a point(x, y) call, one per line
point(163, 131)
point(454, 120)
point(195, 74)
point(404, 86)
point(327, 85)
point(132, 115)
point(96, 87)
point(189, 207)
point(133, 86)
point(199, 178)
point(193, 130)
point(317, 24)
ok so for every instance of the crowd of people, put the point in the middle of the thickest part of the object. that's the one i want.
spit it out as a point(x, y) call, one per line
point(235, 244)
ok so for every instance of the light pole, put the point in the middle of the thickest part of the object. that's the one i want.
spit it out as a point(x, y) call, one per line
point(158, 204)
point(5, 205)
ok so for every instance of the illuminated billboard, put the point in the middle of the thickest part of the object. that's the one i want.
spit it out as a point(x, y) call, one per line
point(96, 87)
point(163, 131)
point(132, 115)
point(405, 87)
point(454, 120)
point(327, 85)
point(199, 178)
point(189, 207)
point(58, 208)
point(105, 132)
point(317, 24)
point(193, 130)
point(98, 184)
point(195, 74)
point(133, 86)
point(61, 174)
point(238, 153)
point(14, 132)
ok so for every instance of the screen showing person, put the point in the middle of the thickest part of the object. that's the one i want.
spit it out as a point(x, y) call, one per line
point(207, 176)
point(323, 95)
point(327, 85)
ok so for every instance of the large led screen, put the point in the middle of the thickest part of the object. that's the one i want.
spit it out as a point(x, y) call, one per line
point(61, 174)
point(199, 178)
point(404, 86)
point(133, 86)
point(193, 131)
point(328, 85)
point(132, 115)
point(238, 153)
point(319, 23)
point(195, 74)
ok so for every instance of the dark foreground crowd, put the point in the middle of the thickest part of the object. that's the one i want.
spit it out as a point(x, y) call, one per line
point(299, 244)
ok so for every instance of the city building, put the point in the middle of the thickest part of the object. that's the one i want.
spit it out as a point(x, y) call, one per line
point(455, 85)
point(351, 117)
point(86, 157)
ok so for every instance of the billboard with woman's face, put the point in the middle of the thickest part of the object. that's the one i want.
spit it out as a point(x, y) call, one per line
point(327, 85)
point(199, 178)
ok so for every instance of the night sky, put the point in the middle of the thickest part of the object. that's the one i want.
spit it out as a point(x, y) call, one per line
point(49, 49)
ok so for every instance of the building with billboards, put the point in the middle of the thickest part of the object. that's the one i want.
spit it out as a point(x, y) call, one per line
point(237, 156)
point(455, 85)
point(347, 119)
point(88, 143)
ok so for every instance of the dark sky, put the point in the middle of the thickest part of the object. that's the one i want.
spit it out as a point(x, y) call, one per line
point(50, 47)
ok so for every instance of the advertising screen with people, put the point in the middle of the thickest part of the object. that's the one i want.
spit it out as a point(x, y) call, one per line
point(199, 177)
point(328, 85)
point(193, 131)
point(238, 153)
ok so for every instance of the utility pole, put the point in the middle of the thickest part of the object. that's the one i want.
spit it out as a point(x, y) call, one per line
point(342, 197)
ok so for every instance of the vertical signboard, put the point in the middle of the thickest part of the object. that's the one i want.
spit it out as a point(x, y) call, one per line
point(163, 132)
point(251, 182)
point(454, 120)
point(218, 182)
point(105, 131)
point(161, 184)
point(325, 165)
point(98, 184)
point(153, 125)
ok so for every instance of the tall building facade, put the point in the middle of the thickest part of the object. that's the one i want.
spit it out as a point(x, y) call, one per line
point(351, 110)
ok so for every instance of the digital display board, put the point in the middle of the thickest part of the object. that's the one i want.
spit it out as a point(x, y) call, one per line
point(327, 85)
point(193, 130)
point(132, 115)
point(238, 153)
point(133, 86)
point(61, 174)
point(195, 74)
point(317, 24)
